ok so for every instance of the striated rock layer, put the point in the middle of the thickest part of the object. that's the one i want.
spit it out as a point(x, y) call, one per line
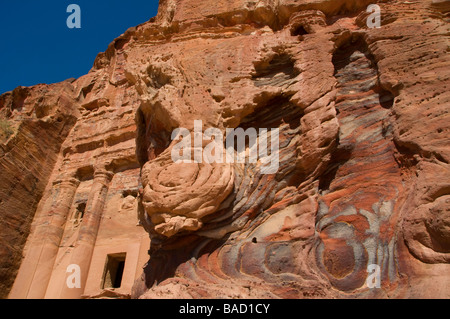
point(363, 123)
point(39, 119)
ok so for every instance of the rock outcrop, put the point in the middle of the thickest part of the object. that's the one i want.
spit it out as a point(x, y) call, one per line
point(363, 150)
point(38, 121)
point(363, 179)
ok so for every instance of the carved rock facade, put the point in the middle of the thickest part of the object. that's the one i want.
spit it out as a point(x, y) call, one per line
point(364, 154)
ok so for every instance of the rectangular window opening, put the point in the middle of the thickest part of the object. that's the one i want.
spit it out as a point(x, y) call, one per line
point(113, 273)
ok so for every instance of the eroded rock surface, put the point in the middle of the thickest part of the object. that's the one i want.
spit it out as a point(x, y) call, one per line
point(38, 119)
point(364, 149)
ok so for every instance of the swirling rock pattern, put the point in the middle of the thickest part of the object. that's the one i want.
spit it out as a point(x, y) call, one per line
point(346, 195)
point(364, 149)
point(177, 196)
point(357, 220)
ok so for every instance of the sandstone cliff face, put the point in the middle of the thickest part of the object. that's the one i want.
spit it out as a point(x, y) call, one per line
point(87, 210)
point(364, 148)
point(364, 152)
point(38, 121)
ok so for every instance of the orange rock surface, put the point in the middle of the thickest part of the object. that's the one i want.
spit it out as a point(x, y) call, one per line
point(364, 151)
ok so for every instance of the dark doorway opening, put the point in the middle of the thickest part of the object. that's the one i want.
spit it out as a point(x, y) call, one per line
point(113, 274)
point(81, 209)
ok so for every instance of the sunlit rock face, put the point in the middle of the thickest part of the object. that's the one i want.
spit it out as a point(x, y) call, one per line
point(362, 186)
point(358, 206)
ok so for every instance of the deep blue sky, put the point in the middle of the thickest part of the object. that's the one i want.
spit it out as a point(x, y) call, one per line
point(36, 46)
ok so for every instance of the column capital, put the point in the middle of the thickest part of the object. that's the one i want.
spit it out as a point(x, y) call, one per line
point(68, 182)
point(103, 174)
